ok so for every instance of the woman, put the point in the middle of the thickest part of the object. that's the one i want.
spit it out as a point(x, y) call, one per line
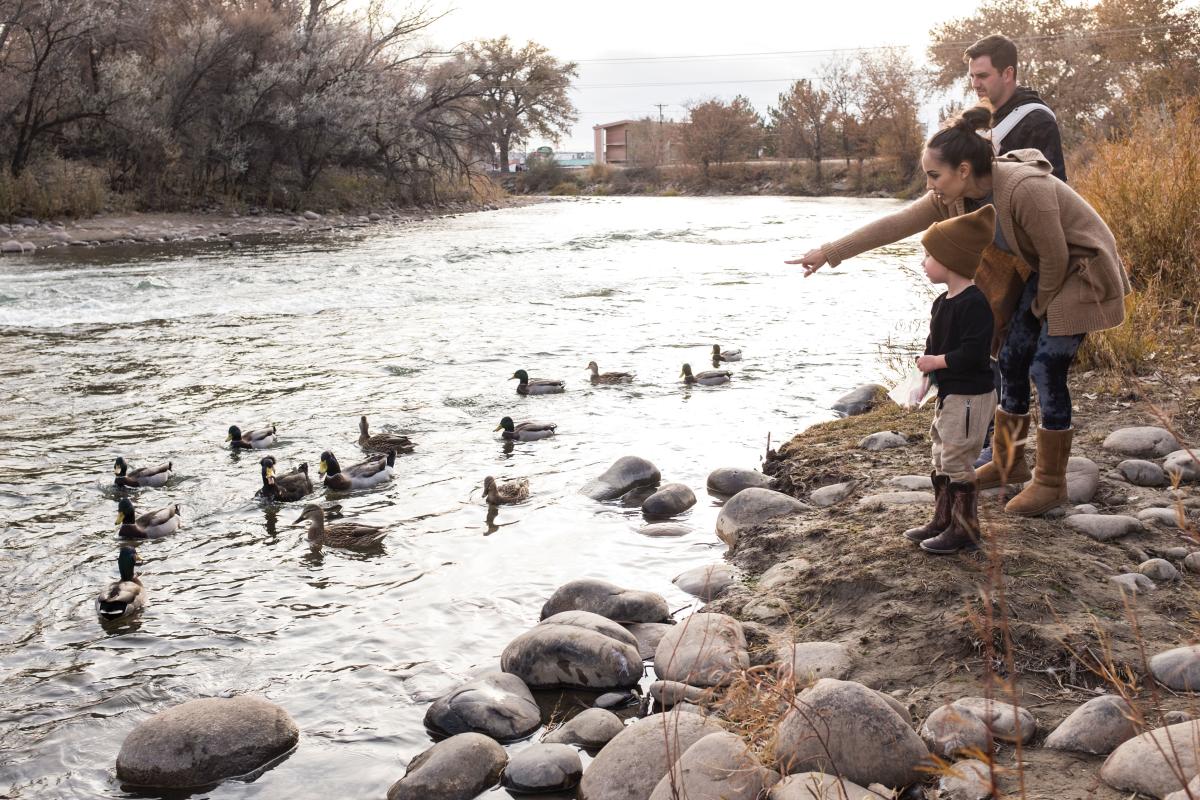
point(1077, 285)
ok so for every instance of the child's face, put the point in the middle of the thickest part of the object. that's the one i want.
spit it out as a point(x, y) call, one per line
point(935, 271)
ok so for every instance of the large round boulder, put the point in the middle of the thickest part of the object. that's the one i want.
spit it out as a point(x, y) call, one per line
point(497, 704)
point(591, 729)
point(607, 600)
point(1155, 762)
point(574, 649)
point(627, 472)
point(1145, 441)
point(204, 741)
point(1178, 669)
point(1098, 726)
point(751, 507)
point(543, 768)
point(717, 766)
point(457, 768)
point(949, 730)
point(728, 481)
point(632, 764)
point(844, 728)
point(1005, 720)
point(703, 650)
point(668, 501)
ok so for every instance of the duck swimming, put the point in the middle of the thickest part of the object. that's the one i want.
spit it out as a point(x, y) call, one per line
point(503, 493)
point(608, 377)
point(286, 488)
point(125, 596)
point(340, 534)
point(382, 442)
point(527, 385)
point(142, 476)
point(526, 431)
point(150, 525)
point(725, 355)
point(710, 377)
point(251, 440)
point(362, 475)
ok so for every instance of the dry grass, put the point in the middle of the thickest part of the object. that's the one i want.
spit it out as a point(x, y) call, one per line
point(53, 187)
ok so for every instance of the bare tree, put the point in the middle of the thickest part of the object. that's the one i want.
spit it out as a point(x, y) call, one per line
point(719, 132)
point(803, 121)
point(890, 96)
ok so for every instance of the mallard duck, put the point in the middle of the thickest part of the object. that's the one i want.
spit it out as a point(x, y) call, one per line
point(288, 487)
point(529, 385)
point(726, 355)
point(339, 534)
point(142, 476)
point(125, 596)
point(251, 440)
point(150, 525)
point(528, 431)
point(608, 377)
point(382, 442)
point(375, 470)
point(709, 377)
point(501, 493)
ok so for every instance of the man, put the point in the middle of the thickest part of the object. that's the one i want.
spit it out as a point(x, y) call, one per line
point(1020, 118)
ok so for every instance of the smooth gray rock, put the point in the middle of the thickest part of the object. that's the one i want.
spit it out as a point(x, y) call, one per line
point(706, 582)
point(1191, 793)
point(1104, 527)
point(846, 729)
point(607, 600)
point(966, 780)
point(10, 246)
point(658, 530)
point(1151, 763)
point(1178, 669)
point(496, 704)
point(670, 500)
point(1098, 726)
point(785, 574)
point(1182, 462)
point(670, 693)
point(1144, 441)
point(457, 768)
point(888, 499)
point(831, 495)
point(949, 730)
point(627, 472)
point(574, 650)
point(820, 786)
point(1085, 508)
point(1083, 479)
point(882, 440)
point(311, 215)
point(648, 635)
point(1176, 553)
point(1162, 517)
point(1142, 473)
point(1192, 562)
point(543, 768)
point(591, 729)
point(1175, 717)
point(766, 610)
point(814, 660)
point(631, 765)
point(1003, 719)
point(204, 741)
point(702, 650)
point(728, 481)
point(717, 766)
point(1159, 570)
point(860, 400)
point(751, 507)
point(610, 700)
point(1133, 582)
point(911, 483)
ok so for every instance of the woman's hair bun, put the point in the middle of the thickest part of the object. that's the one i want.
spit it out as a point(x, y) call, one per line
point(975, 119)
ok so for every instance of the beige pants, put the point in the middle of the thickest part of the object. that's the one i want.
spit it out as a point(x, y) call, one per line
point(959, 427)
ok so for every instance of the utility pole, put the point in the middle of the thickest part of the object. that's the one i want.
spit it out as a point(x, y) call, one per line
point(660, 107)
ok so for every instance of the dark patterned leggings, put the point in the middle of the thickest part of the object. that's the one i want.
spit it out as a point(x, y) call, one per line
point(1029, 351)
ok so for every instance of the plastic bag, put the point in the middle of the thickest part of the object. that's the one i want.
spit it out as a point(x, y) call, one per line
point(915, 390)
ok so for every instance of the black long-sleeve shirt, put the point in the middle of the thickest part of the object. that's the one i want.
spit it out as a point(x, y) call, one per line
point(960, 328)
point(1038, 130)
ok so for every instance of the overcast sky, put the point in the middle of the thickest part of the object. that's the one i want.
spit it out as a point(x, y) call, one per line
point(607, 91)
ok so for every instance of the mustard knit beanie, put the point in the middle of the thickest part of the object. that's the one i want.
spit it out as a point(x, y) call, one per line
point(958, 243)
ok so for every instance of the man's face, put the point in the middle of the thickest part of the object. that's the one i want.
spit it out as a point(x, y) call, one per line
point(989, 84)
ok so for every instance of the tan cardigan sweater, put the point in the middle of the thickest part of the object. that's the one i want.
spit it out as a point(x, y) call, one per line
point(1081, 281)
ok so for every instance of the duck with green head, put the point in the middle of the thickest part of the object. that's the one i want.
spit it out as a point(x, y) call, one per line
point(142, 476)
point(527, 385)
point(710, 377)
point(150, 525)
point(285, 488)
point(349, 534)
point(725, 355)
point(251, 440)
point(124, 596)
point(525, 431)
point(372, 472)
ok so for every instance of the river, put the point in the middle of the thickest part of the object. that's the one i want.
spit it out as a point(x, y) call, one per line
point(151, 353)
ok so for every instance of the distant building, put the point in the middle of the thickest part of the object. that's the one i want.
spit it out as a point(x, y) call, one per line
point(638, 142)
point(569, 159)
point(611, 141)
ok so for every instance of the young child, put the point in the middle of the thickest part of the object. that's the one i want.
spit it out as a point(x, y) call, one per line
point(957, 354)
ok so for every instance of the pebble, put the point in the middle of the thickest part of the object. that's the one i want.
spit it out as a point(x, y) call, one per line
point(949, 730)
point(610, 700)
point(10, 246)
point(882, 440)
point(543, 768)
point(1098, 726)
point(784, 574)
point(1142, 473)
point(1192, 562)
point(728, 481)
point(1150, 763)
point(665, 529)
point(670, 500)
point(966, 780)
point(1001, 717)
point(860, 400)
point(767, 610)
point(1162, 517)
point(1144, 441)
point(1178, 669)
point(706, 582)
point(1083, 479)
point(751, 507)
point(1182, 462)
point(591, 729)
point(889, 499)
point(670, 693)
point(1159, 570)
point(809, 661)
point(1104, 527)
point(831, 495)
point(911, 483)
point(1134, 582)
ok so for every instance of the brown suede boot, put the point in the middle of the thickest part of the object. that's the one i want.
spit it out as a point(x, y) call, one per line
point(963, 532)
point(1008, 452)
point(941, 512)
point(1049, 487)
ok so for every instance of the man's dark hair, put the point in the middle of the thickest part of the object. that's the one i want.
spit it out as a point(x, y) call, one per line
point(1000, 49)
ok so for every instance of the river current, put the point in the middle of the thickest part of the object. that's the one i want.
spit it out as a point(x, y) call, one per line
point(151, 353)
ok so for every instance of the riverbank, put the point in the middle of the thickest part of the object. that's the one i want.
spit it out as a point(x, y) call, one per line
point(1060, 630)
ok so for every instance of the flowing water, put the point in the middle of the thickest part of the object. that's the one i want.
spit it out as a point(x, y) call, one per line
point(152, 354)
